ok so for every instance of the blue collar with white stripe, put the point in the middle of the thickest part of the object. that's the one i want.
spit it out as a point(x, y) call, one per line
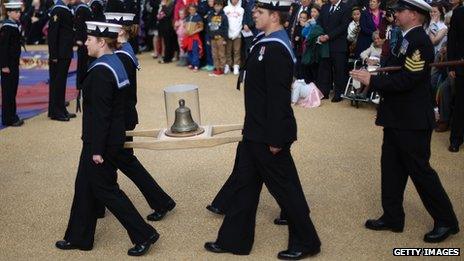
point(10, 23)
point(81, 5)
point(60, 4)
point(281, 37)
point(112, 62)
point(126, 49)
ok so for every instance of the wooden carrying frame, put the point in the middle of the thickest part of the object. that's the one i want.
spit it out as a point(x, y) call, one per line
point(209, 138)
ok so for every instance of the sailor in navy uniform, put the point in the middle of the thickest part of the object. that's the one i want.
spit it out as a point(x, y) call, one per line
point(406, 113)
point(221, 201)
point(126, 161)
point(98, 9)
point(60, 48)
point(82, 14)
point(127, 6)
point(103, 132)
point(264, 154)
point(10, 50)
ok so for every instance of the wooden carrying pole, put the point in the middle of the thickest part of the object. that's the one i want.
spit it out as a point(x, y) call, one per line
point(438, 65)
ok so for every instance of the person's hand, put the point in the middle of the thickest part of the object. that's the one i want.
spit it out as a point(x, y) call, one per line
point(98, 159)
point(246, 28)
point(362, 76)
point(274, 150)
point(5, 70)
point(323, 38)
point(80, 43)
point(452, 74)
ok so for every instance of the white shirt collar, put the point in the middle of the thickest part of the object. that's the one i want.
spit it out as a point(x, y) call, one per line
point(337, 4)
point(407, 31)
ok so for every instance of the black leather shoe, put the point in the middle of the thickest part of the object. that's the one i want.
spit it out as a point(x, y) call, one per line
point(439, 234)
point(214, 210)
point(17, 123)
point(60, 118)
point(297, 255)
point(215, 248)
point(336, 99)
point(141, 249)
point(66, 245)
point(453, 148)
point(158, 215)
point(281, 221)
point(379, 224)
point(71, 115)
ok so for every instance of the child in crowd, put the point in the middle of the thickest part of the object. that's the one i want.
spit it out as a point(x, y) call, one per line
point(10, 50)
point(297, 42)
point(234, 12)
point(217, 33)
point(205, 9)
point(179, 26)
point(309, 71)
point(297, 34)
point(192, 41)
point(353, 29)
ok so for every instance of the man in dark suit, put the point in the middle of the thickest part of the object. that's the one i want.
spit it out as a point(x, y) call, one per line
point(456, 52)
point(406, 113)
point(334, 19)
point(60, 48)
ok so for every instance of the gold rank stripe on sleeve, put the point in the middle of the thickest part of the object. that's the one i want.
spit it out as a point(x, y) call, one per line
point(414, 66)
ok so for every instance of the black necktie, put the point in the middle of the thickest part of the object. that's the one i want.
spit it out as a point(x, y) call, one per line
point(332, 9)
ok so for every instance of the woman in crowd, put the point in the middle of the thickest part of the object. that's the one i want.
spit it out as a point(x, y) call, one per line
point(166, 30)
point(437, 31)
point(368, 23)
point(35, 18)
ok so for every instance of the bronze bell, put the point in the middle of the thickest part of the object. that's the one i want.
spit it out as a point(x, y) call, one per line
point(183, 122)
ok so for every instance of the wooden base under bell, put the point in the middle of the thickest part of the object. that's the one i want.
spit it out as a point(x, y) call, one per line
point(169, 133)
point(209, 138)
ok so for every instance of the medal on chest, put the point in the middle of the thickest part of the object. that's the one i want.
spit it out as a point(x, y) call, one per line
point(261, 53)
point(404, 46)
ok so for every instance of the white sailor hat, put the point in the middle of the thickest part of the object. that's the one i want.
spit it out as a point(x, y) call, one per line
point(100, 29)
point(120, 18)
point(276, 5)
point(16, 5)
point(420, 6)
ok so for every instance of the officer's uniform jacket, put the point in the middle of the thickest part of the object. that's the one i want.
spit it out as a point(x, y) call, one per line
point(406, 94)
